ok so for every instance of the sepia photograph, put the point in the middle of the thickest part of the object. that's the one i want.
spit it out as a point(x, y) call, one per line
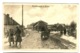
point(39, 52)
point(40, 26)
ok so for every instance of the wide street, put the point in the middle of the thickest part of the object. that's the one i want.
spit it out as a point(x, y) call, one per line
point(32, 40)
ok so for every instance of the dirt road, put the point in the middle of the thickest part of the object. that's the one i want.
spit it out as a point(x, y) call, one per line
point(33, 41)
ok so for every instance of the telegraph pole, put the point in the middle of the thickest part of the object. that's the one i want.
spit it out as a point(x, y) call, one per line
point(22, 15)
point(22, 23)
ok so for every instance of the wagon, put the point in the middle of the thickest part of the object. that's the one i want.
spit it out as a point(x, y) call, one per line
point(45, 35)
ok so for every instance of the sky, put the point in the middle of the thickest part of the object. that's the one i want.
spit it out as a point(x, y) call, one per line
point(50, 13)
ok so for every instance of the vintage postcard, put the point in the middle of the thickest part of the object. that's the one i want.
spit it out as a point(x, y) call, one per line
point(39, 52)
point(40, 26)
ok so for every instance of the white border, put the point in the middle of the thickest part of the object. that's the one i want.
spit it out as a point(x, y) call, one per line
point(32, 1)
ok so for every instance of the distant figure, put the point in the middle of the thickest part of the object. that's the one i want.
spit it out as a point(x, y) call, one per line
point(18, 36)
point(61, 32)
point(64, 31)
point(11, 38)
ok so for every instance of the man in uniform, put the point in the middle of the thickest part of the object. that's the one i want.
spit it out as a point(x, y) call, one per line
point(18, 36)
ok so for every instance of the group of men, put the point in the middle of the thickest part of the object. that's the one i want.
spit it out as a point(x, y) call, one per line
point(14, 36)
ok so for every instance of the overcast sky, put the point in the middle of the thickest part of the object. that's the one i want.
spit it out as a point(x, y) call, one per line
point(50, 13)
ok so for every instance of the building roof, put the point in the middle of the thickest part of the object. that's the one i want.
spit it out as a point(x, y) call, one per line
point(9, 21)
point(40, 23)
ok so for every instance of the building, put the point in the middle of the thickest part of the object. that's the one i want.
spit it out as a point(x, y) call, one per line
point(9, 23)
point(40, 25)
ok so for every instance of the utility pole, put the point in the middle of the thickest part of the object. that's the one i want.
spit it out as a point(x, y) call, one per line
point(22, 23)
point(22, 15)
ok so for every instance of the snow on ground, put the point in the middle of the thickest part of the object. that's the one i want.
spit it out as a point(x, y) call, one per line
point(6, 42)
point(69, 38)
point(54, 32)
point(66, 37)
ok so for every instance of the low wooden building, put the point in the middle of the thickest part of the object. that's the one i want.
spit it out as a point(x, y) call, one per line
point(40, 25)
point(9, 23)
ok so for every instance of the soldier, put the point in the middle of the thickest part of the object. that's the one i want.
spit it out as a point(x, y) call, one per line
point(18, 36)
point(64, 31)
point(11, 38)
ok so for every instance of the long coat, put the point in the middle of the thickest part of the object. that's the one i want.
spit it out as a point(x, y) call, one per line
point(18, 37)
point(10, 35)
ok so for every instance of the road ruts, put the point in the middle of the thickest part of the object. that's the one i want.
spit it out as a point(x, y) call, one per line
point(32, 40)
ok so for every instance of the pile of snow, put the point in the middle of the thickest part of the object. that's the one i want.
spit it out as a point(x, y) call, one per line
point(69, 38)
point(54, 32)
point(5, 40)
